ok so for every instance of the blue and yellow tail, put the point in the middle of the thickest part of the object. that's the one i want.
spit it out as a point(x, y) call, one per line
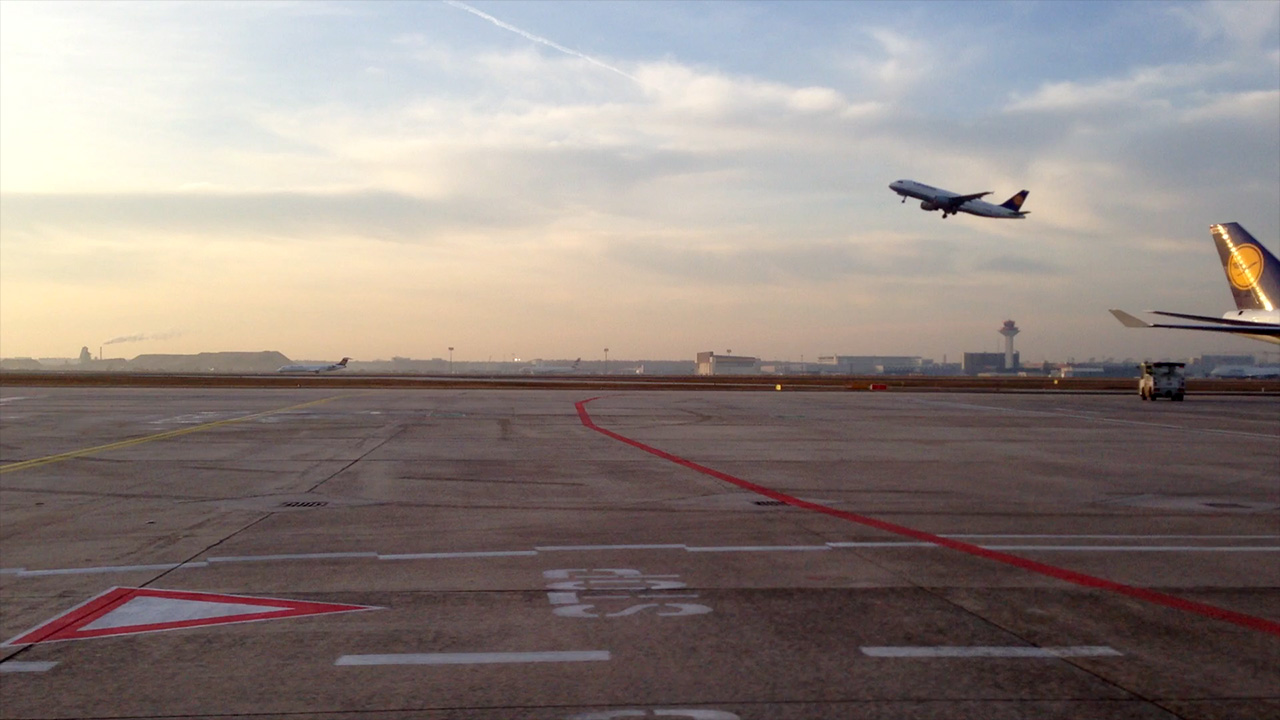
point(1248, 266)
point(1015, 203)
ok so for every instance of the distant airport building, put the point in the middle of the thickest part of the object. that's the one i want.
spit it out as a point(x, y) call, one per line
point(873, 364)
point(1098, 370)
point(982, 363)
point(1206, 364)
point(710, 363)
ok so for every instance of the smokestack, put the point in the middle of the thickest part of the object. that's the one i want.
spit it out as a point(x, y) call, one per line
point(1008, 331)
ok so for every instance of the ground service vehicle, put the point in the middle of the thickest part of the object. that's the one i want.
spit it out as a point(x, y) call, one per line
point(1162, 379)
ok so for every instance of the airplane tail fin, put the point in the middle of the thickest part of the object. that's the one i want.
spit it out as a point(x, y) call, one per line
point(1248, 266)
point(1015, 203)
point(343, 361)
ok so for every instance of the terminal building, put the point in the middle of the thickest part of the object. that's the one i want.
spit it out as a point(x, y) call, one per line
point(873, 364)
point(986, 363)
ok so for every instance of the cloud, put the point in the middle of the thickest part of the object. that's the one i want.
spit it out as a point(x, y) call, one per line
point(1245, 27)
point(767, 261)
point(1145, 86)
point(1252, 105)
point(254, 216)
point(1018, 265)
point(391, 154)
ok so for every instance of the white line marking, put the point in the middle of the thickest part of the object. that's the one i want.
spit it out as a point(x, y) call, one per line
point(111, 568)
point(26, 666)
point(434, 556)
point(214, 561)
point(475, 658)
point(918, 651)
point(299, 556)
point(759, 548)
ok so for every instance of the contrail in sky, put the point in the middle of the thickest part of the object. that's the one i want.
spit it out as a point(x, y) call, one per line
point(539, 39)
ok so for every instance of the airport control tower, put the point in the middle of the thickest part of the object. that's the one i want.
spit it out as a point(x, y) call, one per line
point(1008, 331)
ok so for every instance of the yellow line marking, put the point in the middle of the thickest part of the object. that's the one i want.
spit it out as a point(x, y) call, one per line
point(37, 462)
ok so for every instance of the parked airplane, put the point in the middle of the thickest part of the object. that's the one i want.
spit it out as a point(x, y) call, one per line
point(951, 203)
point(317, 369)
point(1246, 371)
point(1257, 292)
point(551, 369)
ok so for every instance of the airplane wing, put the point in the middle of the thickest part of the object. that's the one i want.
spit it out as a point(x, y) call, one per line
point(1258, 329)
point(1205, 318)
point(1224, 325)
point(959, 200)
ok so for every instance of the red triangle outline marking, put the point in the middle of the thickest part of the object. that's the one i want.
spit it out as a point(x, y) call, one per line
point(68, 625)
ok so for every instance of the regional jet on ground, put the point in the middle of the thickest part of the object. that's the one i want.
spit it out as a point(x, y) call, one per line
point(538, 369)
point(1256, 291)
point(931, 198)
point(317, 369)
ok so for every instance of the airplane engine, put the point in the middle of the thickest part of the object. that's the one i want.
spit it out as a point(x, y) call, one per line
point(926, 205)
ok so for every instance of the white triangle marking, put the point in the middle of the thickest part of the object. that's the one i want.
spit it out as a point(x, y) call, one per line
point(144, 610)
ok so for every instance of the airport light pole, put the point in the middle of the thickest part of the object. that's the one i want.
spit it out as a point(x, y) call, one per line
point(450, 360)
point(606, 361)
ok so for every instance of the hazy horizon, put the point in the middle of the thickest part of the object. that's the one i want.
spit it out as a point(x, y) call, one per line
point(548, 179)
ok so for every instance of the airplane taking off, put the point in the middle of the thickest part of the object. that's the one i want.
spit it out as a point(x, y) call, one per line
point(931, 198)
point(317, 369)
point(1257, 293)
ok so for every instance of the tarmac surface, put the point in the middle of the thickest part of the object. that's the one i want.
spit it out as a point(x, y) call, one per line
point(511, 554)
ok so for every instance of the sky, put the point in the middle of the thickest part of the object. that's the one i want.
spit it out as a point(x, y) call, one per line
point(549, 179)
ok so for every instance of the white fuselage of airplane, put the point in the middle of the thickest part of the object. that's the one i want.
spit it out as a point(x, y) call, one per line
point(552, 369)
point(1269, 318)
point(317, 369)
point(1246, 371)
point(932, 198)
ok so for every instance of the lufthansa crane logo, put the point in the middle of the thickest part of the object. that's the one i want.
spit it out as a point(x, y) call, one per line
point(1245, 267)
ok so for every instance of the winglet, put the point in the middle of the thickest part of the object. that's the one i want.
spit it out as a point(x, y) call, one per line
point(1128, 320)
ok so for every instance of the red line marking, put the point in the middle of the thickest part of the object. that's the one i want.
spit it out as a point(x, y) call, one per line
point(94, 607)
point(1071, 576)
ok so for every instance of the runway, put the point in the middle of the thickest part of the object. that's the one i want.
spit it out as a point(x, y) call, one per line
point(565, 554)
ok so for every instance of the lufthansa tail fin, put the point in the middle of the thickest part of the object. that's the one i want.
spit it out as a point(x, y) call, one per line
point(1249, 268)
point(1015, 203)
